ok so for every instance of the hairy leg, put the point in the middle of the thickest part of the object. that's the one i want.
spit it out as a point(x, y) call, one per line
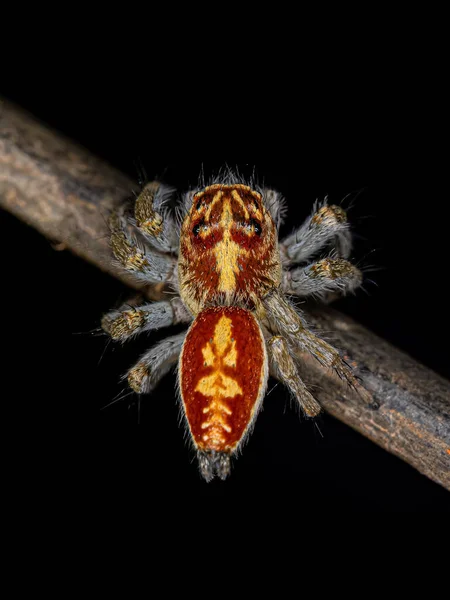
point(134, 256)
point(276, 205)
point(129, 320)
point(286, 371)
point(153, 220)
point(285, 319)
point(155, 363)
point(322, 277)
point(326, 225)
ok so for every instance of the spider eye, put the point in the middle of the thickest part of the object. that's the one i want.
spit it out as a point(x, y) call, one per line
point(196, 228)
point(199, 205)
point(256, 226)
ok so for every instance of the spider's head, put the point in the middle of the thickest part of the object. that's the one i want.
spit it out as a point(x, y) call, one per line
point(228, 244)
point(235, 212)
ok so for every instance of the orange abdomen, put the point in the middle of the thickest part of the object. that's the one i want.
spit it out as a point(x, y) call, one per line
point(223, 376)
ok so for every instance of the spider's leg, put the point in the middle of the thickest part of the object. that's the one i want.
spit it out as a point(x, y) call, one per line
point(129, 320)
point(286, 371)
point(136, 257)
point(285, 319)
point(276, 205)
point(153, 219)
point(155, 363)
point(322, 277)
point(327, 225)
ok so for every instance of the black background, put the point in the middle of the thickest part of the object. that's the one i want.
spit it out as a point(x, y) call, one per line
point(362, 135)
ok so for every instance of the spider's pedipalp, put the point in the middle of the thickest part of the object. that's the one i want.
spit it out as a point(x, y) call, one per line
point(155, 363)
point(285, 319)
point(326, 225)
point(152, 218)
point(323, 277)
point(128, 321)
point(144, 263)
point(286, 371)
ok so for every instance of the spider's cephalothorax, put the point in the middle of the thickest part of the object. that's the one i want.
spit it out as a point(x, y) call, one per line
point(230, 276)
point(228, 243)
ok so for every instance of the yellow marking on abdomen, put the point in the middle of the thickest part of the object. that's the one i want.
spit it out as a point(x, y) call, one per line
point(217, 354)
point(216, 405)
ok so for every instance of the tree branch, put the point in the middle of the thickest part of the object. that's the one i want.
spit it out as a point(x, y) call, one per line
point(67, 194)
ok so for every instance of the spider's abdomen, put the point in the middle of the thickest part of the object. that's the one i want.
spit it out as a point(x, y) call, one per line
point(228, 248)
point(223, 375)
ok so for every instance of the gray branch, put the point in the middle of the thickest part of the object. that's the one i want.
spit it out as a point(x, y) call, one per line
point(67, 194)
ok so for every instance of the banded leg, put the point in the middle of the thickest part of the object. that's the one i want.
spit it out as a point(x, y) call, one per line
point(155, 363)
point(146, 264)
point(321, 278)
point(285, 319)
point(129, 321)
point(152, 218)
point(327, 224)
point(287, 372)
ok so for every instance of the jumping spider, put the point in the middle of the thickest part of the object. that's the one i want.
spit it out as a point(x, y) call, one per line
point(230, 275)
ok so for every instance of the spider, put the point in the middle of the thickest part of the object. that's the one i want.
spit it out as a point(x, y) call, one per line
point(230, 279)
